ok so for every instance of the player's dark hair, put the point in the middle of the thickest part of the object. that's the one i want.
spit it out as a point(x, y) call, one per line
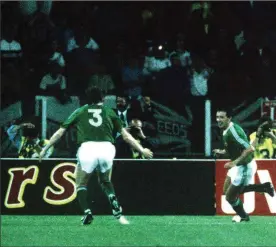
point(94, 95)
point(227, 110)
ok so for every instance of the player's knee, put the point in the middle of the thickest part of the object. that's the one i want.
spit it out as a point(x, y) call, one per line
point(81, 187)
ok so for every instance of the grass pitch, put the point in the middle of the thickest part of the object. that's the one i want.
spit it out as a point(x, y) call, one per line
point(142, 231)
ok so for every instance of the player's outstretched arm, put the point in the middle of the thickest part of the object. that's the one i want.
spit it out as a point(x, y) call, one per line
point(55, 137)
point(133, 143)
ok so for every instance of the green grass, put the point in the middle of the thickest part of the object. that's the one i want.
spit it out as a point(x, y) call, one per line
point(143, 231)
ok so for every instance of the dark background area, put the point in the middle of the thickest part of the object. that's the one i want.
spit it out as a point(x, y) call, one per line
point(127, 29)
point(229, 47)
point(143, 188)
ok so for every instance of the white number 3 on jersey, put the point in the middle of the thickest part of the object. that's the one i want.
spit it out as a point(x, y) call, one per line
point(96, 116)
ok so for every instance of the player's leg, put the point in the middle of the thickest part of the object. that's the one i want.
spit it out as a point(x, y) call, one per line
point(237, 176)
point(81, 187)
point(82, 178)
point(104, 178)
point(108, 189)
point(227, 183)
point(248, 183)
point(106, 155)
point(232, 196)
point(87, 162)
point(261, 188)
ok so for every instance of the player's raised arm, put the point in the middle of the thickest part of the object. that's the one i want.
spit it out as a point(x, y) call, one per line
point(132, 142)
point(55, 137)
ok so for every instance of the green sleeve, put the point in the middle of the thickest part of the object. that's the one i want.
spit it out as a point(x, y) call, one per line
point(117, 122)
point(72, 119)
point(239, 138)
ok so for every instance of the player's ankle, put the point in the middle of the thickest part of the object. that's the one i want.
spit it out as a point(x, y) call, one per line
point(87, 211)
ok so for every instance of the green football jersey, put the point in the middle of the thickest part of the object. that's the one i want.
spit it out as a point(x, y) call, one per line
point(235, 141)
point(94, 123)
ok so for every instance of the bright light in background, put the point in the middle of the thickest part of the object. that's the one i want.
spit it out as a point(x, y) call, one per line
point(160, 47)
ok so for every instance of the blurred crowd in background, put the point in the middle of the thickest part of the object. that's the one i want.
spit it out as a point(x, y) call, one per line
point(186, 48)
point(178, 51)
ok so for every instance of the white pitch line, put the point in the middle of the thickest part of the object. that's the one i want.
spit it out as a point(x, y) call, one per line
point(219, 223)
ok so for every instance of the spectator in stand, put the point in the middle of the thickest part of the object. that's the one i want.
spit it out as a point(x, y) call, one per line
point(149, 121)
point(31, 6)
point(10, 48)
point(25, 137)
point(200, 26)
point(132, 77)
point(80, 64)
point(12, 65)
point(63, 32)
point(124, 151)
point(55, 55)
point(156, 60)
point(124, 110)
point(41, 28)
point(266, 145)
point(54, 83)
point(74, 42)
point(147, 115)
point(36, 33)
point(199, 77)
point(198, 89)
point(49, 56)
point(174, 80)
point(102, 80)
point(182, 51)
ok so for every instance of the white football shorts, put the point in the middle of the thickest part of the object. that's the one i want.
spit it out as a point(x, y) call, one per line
point(92, 155)
point(243, 175)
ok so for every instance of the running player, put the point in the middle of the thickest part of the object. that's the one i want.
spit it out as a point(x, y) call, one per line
point(95, 125)
point(242, 167)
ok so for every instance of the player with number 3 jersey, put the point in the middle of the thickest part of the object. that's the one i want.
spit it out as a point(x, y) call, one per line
point(96, 125)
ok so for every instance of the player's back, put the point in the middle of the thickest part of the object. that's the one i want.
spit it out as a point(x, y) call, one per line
point(96, 123)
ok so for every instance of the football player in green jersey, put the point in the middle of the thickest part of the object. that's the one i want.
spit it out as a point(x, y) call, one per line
point(242, 166)
point(95, 125)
